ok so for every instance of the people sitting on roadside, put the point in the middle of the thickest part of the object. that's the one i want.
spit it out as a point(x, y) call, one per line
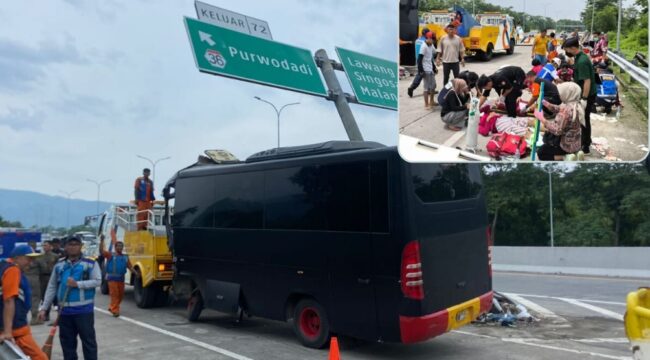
point(551, 93)
point(562, 136)
point(455, 105)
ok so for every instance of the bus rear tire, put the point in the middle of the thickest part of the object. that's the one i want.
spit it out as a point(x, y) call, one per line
point(310, 324)
point(194, 306)
point(145, 297)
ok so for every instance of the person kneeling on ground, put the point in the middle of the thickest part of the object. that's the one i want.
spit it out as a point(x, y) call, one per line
point(562, 136)
point(455, 107)
point(551, 93)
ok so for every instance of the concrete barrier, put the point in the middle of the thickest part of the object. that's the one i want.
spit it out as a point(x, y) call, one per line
point(598, 261)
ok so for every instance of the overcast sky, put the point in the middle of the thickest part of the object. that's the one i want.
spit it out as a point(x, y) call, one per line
point(87, 85)
point(555, 9)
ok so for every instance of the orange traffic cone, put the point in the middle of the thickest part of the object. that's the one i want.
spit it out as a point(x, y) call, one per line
point(334, 349)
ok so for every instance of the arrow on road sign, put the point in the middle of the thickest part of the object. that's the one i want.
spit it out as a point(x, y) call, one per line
point(207, 38)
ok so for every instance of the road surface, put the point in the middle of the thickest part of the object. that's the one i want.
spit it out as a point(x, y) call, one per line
point(580, 318)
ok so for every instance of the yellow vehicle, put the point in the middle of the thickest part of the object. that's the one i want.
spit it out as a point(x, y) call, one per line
point(496, 34)
point(436, 21)
point(147, 250)
point(637, 323)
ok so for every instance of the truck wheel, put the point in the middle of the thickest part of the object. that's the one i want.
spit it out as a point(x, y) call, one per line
point(310, 324)
point(487, 55)
point(194, 306)
point(162, 297)
point(104, 287)
point(145, 297)
point(512, 47)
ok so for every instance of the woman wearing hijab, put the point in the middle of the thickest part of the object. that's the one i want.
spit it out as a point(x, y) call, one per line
point(455, 109)
point(562, 136)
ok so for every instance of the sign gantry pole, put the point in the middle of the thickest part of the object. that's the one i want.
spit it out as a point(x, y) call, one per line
point(337, 95)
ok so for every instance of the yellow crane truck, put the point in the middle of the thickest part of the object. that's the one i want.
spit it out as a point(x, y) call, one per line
point(147, 250)
point(495, 33)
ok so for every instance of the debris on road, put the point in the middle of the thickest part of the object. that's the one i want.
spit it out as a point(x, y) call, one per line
point(505, 312)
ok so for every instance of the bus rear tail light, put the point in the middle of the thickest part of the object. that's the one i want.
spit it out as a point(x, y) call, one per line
point(412, 284)
point(489, 247)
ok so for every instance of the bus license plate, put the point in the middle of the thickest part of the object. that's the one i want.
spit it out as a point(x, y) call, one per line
point(460, 317)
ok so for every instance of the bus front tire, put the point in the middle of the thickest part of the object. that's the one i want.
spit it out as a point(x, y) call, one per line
point(310, 324)
point(194, 306)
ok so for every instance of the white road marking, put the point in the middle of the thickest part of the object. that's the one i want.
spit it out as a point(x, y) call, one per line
point(216, 349)
point(454, 138)
point(530, 342)
point(602, 311)
point(583, 300)
point(553, 347)
point(604, 340)
point(544, 312)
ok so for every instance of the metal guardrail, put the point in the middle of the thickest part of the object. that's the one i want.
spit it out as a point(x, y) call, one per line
point(635, 72)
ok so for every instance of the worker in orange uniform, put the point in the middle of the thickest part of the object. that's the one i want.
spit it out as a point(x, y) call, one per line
point(16, 302)
point(116, 264)
point(143, 198)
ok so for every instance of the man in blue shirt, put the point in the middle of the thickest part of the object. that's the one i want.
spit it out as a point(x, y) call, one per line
point(418, 77)
point(73, 281)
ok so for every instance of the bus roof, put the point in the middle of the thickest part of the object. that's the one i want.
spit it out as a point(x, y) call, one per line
point(328, 147)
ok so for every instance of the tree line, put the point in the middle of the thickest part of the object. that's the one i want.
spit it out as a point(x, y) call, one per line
point(593, 205)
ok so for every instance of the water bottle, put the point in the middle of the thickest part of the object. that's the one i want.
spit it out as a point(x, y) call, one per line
point(517, 154)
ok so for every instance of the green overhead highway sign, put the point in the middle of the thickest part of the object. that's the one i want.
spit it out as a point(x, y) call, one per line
point(224, 52)
point(373, 80)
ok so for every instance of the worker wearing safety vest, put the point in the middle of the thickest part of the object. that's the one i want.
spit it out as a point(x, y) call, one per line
point(143, 198)
point(16, 302)
point(73, 282)
point(116, 265)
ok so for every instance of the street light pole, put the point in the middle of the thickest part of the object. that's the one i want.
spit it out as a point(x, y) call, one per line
point(153, 165)
point(99, 186)
point(67, 212)
point(550, 197)
point(277, 112)
point(593, 12)
point(618, 30)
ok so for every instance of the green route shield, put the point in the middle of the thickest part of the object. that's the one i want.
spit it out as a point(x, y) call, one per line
point(224, 52)
point(373, 80)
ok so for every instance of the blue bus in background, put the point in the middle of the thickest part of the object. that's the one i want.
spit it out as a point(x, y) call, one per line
point(11, 237)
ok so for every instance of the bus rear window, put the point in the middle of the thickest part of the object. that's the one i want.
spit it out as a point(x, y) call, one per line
point(436, 182)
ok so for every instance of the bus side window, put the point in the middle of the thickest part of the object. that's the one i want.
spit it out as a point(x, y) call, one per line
point(239, 201)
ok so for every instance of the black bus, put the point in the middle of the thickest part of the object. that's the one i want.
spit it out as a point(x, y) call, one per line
point(339, 238)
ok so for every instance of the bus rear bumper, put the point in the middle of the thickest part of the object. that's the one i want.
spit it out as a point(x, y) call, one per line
point(420, 328)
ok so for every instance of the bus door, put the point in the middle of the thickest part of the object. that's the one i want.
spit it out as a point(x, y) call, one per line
point(350, 255)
